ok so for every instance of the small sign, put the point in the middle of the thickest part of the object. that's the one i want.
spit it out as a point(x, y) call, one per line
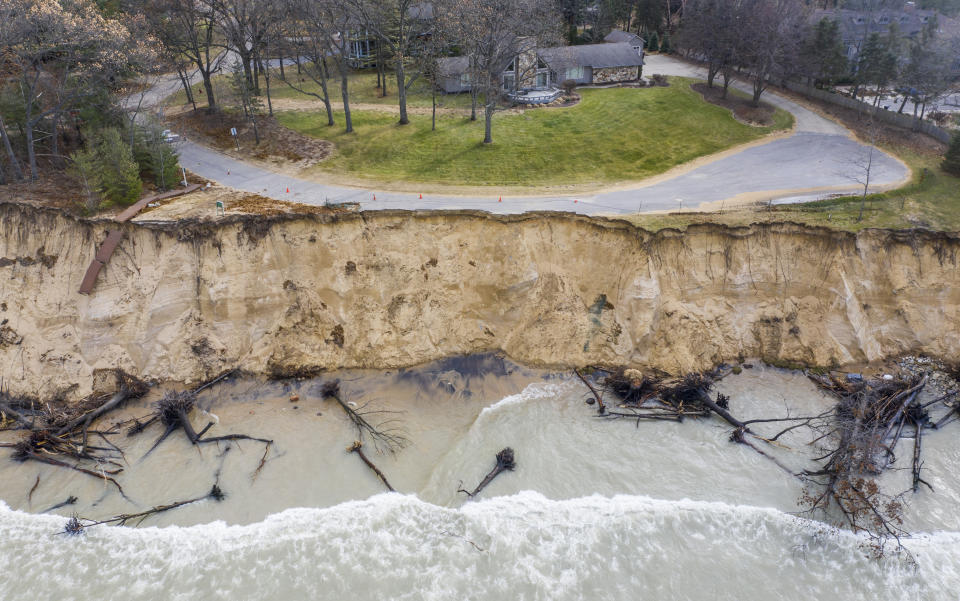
point(233, 131)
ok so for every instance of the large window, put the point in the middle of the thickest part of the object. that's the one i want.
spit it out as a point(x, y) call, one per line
point(464, 80)
point(575, 73)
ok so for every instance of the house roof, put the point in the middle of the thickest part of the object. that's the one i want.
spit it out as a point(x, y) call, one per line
point(597, 56)
point(618, 36)
point(910, 22)
point(453, 66)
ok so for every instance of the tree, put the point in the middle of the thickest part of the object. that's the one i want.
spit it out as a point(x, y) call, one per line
point(773, 30)
point(823, 54)
point(399, 26)
point(876, 65)
point(926, 76)
point(653, 42)
point(306, 27)
point(118, 175)
point(84, 169)
point(338, 18)
point(155, 156)
point(187, 30)
point(245, 96)
point(951, 160)
point(62, 53)
point(497, 35)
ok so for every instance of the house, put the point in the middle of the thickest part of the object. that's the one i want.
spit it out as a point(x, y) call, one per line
point(609, 62)
point(618, 36)
point(856, 25)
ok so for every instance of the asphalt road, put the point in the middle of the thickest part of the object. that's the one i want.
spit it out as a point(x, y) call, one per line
point(819, 158)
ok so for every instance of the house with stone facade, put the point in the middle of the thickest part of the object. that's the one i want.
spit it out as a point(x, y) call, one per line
point(543, 68)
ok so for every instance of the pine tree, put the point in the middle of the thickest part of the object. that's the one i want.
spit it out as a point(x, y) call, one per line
point(951, 160)
point(119, 174)
point(653, 42)
point(665, 46)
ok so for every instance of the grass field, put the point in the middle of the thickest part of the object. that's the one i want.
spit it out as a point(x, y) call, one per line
point(612, 135)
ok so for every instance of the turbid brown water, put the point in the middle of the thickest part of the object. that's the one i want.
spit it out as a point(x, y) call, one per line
point(595, 509)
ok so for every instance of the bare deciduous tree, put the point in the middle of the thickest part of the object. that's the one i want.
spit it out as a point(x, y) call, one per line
point(497, 35)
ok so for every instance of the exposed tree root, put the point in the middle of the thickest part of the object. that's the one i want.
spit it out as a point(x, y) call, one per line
point(505, 461)
point(385, 433)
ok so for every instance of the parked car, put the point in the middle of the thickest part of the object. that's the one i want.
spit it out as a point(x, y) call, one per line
point(169, 137)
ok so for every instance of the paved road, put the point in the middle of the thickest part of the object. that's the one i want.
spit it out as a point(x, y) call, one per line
point(818, 158)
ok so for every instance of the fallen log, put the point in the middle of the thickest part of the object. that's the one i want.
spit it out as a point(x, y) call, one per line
point(505, 461)
point(357, 447)
point(77, 526)
point(601, 408)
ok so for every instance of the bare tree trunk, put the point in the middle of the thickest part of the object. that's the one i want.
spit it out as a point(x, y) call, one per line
point(266, 77)
point(186, 88)
point(402, 92)
point(473, 103)
point(346, 100)
point(55, 140)
point(17, 172)
point(488, 121)
point(31, 152)
point(324, 77)
point(208, 87)
point(433, 94)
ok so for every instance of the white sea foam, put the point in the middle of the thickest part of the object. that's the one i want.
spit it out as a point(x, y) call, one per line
point(532, 392)
point(523, 546)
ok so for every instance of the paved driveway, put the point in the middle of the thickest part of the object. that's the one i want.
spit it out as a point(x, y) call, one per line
point(817, 159)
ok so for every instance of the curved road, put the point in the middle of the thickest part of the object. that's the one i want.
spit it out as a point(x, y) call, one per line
point(818, 158)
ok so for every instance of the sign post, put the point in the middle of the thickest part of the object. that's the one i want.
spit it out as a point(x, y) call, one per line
point(219, 208)
point(233, 132)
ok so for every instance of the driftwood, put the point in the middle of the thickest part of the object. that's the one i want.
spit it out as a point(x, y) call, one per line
point(505, 461)
point(71, 500)
point(357, 447)
point(77, 525)
point(173, 411)
point(383, 434)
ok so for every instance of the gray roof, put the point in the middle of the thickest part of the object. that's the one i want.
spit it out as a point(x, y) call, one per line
point(453, 66)
point(597, 56)
point(618, 36)
point(910, 22)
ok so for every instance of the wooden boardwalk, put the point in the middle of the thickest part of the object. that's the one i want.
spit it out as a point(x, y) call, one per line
point(115, 236)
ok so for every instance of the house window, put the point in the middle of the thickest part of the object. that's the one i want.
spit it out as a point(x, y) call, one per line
point(508, 81)
point(464, 80)
point(575, 73)
point(543, 79)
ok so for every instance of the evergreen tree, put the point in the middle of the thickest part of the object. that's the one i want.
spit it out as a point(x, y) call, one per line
point(653, 42)
point(155, 157)
point(951, 161)
point(665, 46)
point(84, 168)
point(119, 174)
point(824, 53)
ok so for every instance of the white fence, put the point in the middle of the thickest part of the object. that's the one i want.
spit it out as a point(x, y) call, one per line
point(891, 117)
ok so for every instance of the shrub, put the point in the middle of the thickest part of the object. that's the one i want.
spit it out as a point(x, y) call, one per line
point(568, 86)
point(951, 160)
point(659, 79)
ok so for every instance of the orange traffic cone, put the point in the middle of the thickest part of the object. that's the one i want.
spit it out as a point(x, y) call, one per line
point(288, 189)
point(421, 196)
point(500, 199)
point(374, 196)
point(574, 200)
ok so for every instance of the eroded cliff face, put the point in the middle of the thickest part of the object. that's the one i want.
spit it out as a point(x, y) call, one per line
point(385, 290)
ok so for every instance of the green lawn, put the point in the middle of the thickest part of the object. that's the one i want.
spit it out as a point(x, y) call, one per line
point(612, 135)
